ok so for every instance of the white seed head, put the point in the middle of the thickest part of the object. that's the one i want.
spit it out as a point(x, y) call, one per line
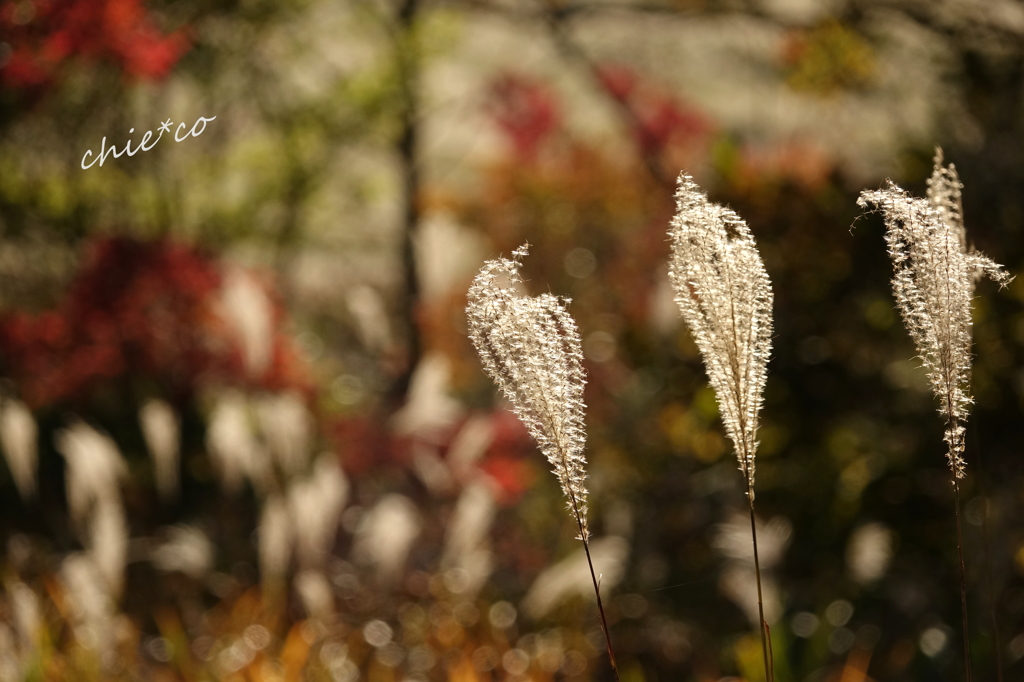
point(288, 428)
point(530, 347)
point(235, 451)
point(386, 535)
point(470, 523)
point(162, 433)
point(186, 549)
point(726, 299)
point(275, 538)
point(315, 504)
point(247, 308)
point(18, 436)
point(935, 273)
point(94, 469)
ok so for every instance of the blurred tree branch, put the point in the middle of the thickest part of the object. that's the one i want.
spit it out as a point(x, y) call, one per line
point(563, 40)
point(406, 57)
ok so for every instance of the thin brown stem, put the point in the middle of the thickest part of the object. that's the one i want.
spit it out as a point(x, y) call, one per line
point(597, 589)
point(963, 579)
point(600, 610)
point(987, 540)
point(996, 638)
point(768, 672)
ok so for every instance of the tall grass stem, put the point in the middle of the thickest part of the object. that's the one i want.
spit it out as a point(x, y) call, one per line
point(963, 580)
point(597, 592)
point(769, 674)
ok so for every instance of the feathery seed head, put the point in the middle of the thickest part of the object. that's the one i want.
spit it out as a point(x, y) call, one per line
point(726, 299)
point(933, 283)
point(530, 347)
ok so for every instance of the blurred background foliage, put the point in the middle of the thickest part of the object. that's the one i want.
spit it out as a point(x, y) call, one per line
point(247, 439)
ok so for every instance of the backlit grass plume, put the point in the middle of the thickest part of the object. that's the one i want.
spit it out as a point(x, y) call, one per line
point(530, 347)
point(935, 274)
point(726, 298)
point(933, 282)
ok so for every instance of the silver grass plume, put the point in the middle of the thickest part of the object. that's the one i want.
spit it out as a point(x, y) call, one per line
point(530, 347)
point(725, 297)
point(935, 274)
point(933, 282)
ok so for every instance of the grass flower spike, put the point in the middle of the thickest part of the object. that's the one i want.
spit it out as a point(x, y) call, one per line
point(530, 347)
point(935, 274)
point(726, 299)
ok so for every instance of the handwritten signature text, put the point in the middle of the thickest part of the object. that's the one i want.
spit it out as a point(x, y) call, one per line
point(165, 127)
